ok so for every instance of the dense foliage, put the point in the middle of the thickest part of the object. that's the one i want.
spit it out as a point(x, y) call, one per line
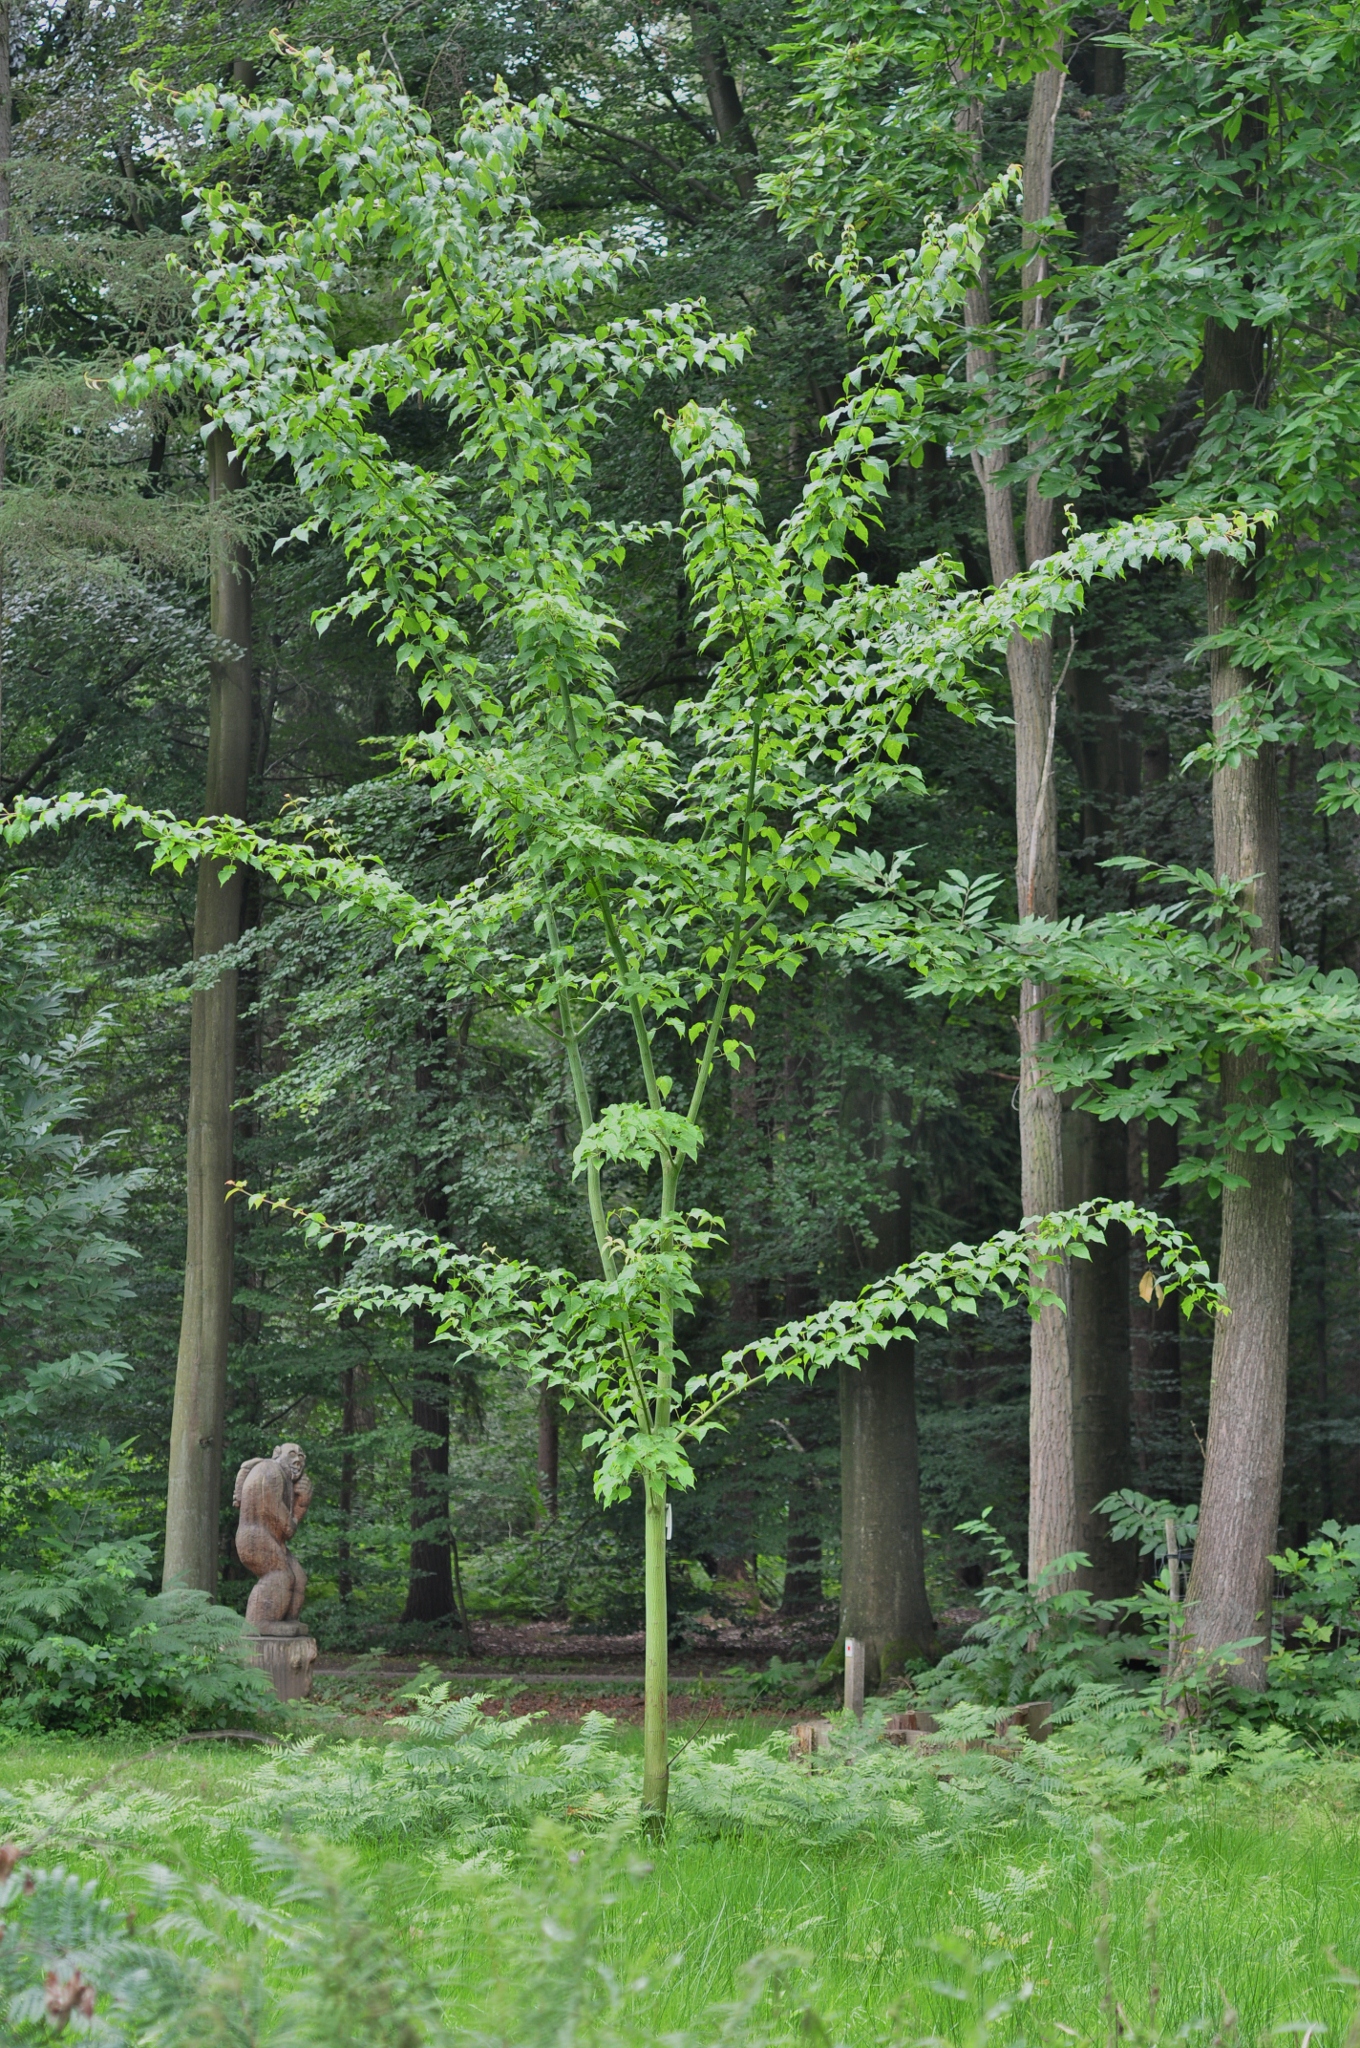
point(550, 887)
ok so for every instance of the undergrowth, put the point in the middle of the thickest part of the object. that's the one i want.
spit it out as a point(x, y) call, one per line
point(453, 1774)
point(307, 1956)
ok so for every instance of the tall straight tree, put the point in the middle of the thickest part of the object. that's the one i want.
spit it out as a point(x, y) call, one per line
point(1245, 241)
point(724, 97)
point(193, 1497)
point(429, 1593)
point(6, 149)
point(1228, 1597)
point(884, 1603)
point(900, 120)
point(1034, 705)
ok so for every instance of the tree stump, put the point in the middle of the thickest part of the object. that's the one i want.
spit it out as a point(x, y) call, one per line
point(808, 1737)
point(1034, 1719)
point(903, 1729)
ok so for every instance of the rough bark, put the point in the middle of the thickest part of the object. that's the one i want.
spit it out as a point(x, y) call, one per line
point(883, 1588)
point(197, 1424)
point(883, 1580)
point(1228, 1598)
point(429, 1592)
point(1096, 1164)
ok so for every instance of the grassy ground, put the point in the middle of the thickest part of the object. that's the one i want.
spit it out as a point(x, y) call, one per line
point(1243, 1898)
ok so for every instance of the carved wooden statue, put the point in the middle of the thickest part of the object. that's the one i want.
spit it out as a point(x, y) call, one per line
point(273, 1494)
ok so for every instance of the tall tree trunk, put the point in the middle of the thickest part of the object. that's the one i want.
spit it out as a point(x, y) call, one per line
point(198, 1420)
point(356, 1419)
point(1096, 1162)
point(1155, 1329)
point(802, 1592)
point(1154, 1154)
point(1096, 1165)
point(548, 1446)
point(883, 1586)
point(806, 1420)
point(1052, 1506)
point(1321, 1339)
point(429, 1593)
point(1228, 1598)
point(6, 150)
point(724, 98)
point(883, 1578)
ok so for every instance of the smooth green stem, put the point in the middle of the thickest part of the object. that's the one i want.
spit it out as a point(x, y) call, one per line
point(655, 1765)
point(670, 1179)
point(640, 1031)
point(655, 1731)
point(711, 1042)
point(656, 1668)
point(585, 1112)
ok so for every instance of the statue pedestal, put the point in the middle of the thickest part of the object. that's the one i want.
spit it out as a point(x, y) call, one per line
point(287, 1652)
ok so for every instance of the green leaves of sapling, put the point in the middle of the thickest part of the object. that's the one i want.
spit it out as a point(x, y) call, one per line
point(633, 1131)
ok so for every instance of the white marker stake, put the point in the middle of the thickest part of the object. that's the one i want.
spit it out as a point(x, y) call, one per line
point(854, 1677)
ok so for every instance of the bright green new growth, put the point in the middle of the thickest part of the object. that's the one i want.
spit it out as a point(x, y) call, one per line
point(657, 873)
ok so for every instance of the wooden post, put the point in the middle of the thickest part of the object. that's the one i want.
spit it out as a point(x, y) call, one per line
point(854, 1677)
point(1173, 1561)
point(808, 1738)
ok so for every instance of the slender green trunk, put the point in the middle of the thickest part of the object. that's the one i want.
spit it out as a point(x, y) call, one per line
point(656, 1668)
point(655, 1767)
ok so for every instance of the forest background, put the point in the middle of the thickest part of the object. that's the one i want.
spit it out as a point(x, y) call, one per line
point(870, 1118)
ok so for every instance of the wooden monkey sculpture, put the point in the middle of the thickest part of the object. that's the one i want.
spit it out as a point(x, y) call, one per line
point(272, 1494)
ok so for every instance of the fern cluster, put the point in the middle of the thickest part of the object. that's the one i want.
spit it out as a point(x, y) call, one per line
point(456, 1776)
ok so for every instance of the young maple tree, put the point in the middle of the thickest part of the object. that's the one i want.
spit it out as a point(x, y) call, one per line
point(653, 870)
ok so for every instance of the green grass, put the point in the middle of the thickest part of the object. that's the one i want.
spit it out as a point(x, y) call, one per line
point(1232, 1895)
